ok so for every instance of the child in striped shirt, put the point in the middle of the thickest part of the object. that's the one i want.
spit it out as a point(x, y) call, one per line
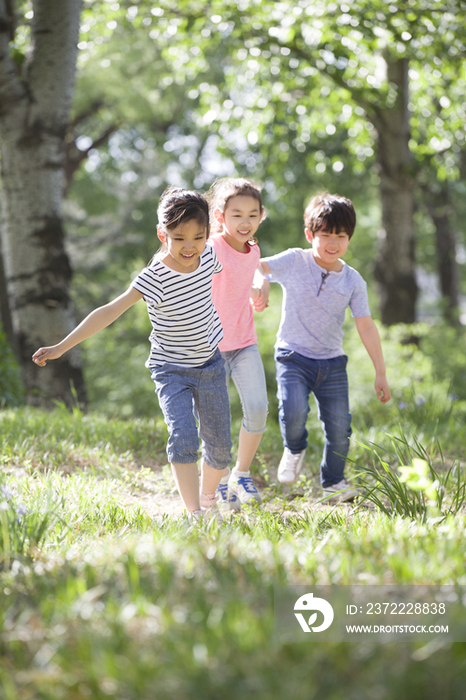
point(184, 361)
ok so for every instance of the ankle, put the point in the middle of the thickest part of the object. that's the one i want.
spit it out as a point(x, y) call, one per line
point(208, 500)
point(194, 514)
point(239, 472)
point(224, 479)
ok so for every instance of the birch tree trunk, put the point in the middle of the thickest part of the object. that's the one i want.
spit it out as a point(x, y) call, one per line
point(395, 267)
point(34, 111)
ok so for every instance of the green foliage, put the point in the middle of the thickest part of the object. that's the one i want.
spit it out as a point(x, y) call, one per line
point(283, 93)
point(420, 490)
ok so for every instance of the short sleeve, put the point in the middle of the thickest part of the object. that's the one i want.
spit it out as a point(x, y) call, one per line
point(257, 252)
point(359, 302)
point(218, 267)
point(149, 285)
point(281, 265)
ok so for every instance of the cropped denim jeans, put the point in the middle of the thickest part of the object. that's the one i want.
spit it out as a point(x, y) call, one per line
point(245, 367)
point(187, 394)
point(297, 377)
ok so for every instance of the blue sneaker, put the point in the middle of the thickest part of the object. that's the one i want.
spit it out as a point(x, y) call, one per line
point(227, 499)
point(244, 489)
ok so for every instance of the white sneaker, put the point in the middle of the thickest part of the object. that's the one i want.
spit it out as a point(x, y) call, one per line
point(227, 500)
point(348, 493)
point(290, 466)
point(244, 489)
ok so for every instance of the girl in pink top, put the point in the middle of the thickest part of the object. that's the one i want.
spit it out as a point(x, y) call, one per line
point(236, 212)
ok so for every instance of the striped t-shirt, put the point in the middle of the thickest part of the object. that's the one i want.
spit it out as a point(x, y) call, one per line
point(186, 327)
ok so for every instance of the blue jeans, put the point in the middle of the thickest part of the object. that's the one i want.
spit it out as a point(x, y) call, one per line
point(297, 377)
point(245, 367)
point(187, 394)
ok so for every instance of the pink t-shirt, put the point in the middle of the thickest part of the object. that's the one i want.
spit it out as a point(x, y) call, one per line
point(231, 290)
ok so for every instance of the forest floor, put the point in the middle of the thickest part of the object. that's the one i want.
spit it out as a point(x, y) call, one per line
point(155, 492)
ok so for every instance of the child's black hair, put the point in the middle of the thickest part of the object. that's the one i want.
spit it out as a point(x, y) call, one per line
point(331, 212)
point(178, 206)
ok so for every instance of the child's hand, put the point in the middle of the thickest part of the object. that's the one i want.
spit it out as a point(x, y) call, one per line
point(41, 356)
point(382, 389)
point(260, 296)
point(259, 300)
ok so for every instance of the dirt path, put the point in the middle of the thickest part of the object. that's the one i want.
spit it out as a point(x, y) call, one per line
point(158, 496)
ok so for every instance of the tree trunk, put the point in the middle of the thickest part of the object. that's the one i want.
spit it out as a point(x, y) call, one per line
point(5, 314)
point(33, 123)
point(395, 267)
point(440, 209)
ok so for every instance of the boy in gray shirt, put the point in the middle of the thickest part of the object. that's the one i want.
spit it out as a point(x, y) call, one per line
point(317, 288)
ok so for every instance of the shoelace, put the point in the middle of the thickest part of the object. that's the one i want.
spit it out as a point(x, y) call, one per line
point(292, 460)
point(225, 493)
point(223, 490)
point(247, 483)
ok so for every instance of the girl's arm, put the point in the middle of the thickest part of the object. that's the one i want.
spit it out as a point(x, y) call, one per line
point(92, 324)
point(371, 340)
point(261, 289)
point(260, 296)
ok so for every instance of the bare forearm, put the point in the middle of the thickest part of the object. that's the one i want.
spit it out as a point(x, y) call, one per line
point(92, 324)
point(371, 341)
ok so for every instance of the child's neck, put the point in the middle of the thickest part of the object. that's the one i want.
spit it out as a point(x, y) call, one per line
point(174, 265)
point(239, 246)
point(337, 266)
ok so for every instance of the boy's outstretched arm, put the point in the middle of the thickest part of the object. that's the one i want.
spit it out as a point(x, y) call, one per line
point(93, 323)
point(371, 340)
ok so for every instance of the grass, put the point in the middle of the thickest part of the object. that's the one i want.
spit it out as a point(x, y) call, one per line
point(106, 599)
point(107, 591)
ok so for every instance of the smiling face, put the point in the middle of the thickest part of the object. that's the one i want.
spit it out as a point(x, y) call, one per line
point(240, 220)
point(184, 245)
point(328, 247)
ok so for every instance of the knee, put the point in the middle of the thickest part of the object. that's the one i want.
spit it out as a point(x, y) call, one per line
point(256, 423)
point(338, 431)
point(292, 413)
point(254, 420)
point(182, 445)
point(217, 456)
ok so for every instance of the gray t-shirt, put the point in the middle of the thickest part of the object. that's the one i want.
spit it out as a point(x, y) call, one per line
point(314, 303)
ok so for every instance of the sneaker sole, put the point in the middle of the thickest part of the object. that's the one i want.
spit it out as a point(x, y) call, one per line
point(287, 482)
point(340, 497)
point(256, 499)
point(230, 505)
